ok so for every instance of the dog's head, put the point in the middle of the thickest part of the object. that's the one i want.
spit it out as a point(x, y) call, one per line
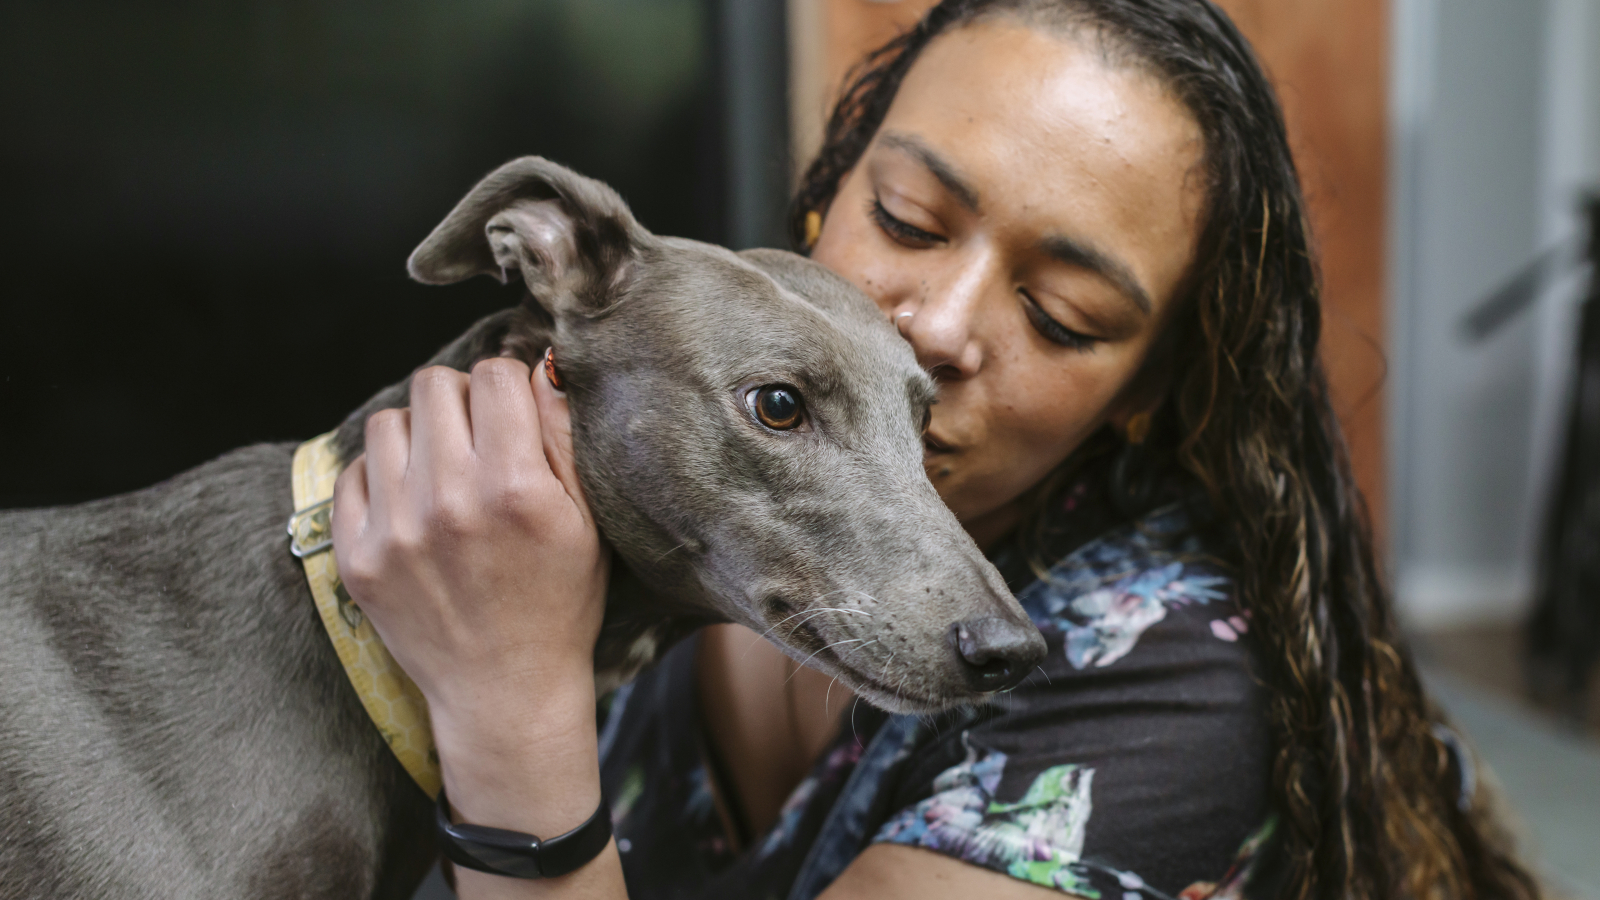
point(748, 429)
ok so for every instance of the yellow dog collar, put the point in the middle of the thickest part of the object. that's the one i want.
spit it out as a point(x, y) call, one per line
point(391, 699)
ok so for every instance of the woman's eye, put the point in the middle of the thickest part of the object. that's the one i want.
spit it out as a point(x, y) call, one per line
point(778, 406)
point(901, 230)
point(1055, 331)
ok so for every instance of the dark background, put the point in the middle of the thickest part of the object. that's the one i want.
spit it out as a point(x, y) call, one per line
point(207, 207)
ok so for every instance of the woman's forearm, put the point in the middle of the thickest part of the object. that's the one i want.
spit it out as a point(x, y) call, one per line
point(464, 534)
point(529, 764)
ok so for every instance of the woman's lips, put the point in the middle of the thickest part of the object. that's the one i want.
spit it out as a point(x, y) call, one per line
point(932, 444)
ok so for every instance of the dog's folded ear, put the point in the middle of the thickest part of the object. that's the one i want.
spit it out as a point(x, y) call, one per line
point(569, 237)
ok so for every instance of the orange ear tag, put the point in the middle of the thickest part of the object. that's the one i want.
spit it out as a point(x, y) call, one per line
point(550, 373)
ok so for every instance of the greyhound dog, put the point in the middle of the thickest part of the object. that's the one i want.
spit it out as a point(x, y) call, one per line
point(173, 719)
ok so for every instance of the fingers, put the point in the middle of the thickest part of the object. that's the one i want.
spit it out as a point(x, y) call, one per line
point(472, 448)
point(441, 430)
point(555, 432)
point(505, 421)
point(350, 504)
point(388, 456)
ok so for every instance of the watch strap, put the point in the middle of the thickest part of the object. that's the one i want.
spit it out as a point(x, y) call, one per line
point(499, 851)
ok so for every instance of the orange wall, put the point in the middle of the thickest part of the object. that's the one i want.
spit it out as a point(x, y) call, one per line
point(854, 28)
point(1329, 60)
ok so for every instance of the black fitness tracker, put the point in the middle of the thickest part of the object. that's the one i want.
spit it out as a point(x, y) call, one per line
point(517, 855)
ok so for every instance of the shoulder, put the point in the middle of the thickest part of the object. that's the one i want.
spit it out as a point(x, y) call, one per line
point(1100, 601)
point(1139, 751)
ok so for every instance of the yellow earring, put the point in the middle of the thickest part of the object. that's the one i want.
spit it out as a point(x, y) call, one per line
point(1138, 428)
point(813, 228)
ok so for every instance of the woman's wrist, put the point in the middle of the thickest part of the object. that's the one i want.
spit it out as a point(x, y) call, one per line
point(524, 760)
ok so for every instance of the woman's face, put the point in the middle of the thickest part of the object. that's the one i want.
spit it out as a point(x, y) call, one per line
point(1025, 215)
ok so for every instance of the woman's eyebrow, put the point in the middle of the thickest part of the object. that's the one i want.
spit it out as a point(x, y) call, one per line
point(1068, 250)
point(940, 167)
point(1085, 256)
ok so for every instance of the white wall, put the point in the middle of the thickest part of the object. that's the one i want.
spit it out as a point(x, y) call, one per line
point(1492, 134)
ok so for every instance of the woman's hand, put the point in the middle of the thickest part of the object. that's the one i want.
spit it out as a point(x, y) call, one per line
point(464, 535)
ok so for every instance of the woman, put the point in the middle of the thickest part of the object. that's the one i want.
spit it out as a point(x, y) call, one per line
point(1084, 217)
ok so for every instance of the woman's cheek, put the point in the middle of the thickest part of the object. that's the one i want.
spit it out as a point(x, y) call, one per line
point(877, 278)
point(1045, 435)
point(853, 247)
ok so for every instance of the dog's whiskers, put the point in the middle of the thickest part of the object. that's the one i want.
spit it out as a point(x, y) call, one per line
point(862, 647)
point(824, 647)
point(822, 609)
point(803, 612)
point(840, 591)
point(799, 614)
point(828, 697)
point(817, 612)
point(672, 551)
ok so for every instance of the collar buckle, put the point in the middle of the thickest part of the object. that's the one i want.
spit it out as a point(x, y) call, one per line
point(311, 529)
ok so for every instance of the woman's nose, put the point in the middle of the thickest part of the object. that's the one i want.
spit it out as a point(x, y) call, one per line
point(941, 328)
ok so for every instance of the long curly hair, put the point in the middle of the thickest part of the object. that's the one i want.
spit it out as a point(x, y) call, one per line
point(1365, 779)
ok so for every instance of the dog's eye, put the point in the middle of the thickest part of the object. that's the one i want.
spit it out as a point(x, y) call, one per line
point(778, 406)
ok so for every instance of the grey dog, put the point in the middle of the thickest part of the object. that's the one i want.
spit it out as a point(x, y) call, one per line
point(173, 719)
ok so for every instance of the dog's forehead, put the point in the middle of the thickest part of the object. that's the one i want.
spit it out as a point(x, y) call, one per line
point(769, 303)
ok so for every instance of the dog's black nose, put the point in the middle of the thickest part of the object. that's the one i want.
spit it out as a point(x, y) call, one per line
point(996, 653)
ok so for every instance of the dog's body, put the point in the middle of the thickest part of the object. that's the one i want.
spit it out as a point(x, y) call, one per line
point(174, 721)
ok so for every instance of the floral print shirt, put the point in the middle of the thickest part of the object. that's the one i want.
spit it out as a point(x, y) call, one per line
point(1132, 766)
